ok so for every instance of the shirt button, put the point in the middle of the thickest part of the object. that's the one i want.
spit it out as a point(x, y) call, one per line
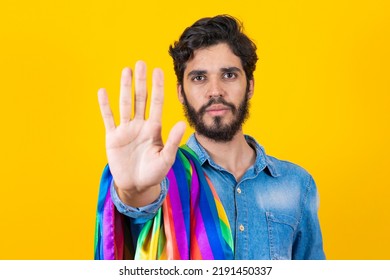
point(238, 190)
point(242, 228)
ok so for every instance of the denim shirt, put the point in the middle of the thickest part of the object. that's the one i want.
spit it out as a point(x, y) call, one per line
point(272, 210)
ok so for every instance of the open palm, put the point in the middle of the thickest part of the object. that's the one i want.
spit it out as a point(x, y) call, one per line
point(137, 157)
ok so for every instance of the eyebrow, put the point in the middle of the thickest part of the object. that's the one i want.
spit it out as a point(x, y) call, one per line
point(231, 69)
point(223, 70)
point(196, 73)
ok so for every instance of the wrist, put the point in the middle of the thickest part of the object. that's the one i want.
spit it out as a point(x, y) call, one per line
point(136, 198)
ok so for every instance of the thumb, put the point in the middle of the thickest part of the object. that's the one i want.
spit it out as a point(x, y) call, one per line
point(173, 142)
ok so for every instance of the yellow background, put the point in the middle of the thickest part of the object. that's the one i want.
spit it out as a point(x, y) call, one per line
point(321, 100)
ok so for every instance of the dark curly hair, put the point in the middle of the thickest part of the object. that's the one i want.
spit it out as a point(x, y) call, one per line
point(211, 31)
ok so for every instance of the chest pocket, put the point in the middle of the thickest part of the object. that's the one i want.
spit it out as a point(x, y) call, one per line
point(281, 230)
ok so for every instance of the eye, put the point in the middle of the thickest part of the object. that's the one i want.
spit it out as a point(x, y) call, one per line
point(229, 75)
point(198, 78)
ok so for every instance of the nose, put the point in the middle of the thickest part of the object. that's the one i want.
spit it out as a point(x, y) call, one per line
point(215, 89)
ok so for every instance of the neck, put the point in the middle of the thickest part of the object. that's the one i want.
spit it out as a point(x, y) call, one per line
point(236, 155)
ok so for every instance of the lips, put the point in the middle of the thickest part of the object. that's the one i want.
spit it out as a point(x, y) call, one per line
point(217, 110)
point(217, 107)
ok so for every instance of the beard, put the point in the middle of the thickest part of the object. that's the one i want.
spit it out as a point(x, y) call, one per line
point(217, 131)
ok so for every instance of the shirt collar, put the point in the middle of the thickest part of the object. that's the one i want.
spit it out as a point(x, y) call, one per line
point(262, 160)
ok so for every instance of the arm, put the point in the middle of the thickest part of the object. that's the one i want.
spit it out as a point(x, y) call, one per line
point(308, 239)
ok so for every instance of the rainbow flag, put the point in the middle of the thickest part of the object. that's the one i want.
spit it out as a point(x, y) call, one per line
point(191, 224)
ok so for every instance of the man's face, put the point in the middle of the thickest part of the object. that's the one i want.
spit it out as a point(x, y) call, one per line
point(215, 93)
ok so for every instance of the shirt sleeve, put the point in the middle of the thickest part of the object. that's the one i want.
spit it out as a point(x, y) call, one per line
point(140, 214)
point(308, 240)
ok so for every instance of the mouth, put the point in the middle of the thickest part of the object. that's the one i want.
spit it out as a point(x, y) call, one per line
point(217, 110)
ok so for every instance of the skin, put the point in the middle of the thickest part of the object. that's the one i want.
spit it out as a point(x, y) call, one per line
point(136, 154)
point(217, 72)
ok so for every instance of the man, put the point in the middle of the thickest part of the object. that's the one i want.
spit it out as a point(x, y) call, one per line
point(219, 196)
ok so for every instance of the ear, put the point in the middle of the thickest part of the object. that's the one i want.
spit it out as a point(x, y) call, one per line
point(180, 93)
point(251, 87)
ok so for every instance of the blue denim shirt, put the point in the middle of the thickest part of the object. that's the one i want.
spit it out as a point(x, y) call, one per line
point(272, 210)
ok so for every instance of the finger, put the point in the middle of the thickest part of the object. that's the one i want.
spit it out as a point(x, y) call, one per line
point(125, 96)
point(156, 105)
point(140, 90)
point(105, 110)
point(173, 142)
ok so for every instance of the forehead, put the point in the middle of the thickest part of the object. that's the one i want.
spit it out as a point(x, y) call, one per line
point(213, 58)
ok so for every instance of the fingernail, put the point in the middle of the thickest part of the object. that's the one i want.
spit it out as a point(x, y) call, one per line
point(126, 71)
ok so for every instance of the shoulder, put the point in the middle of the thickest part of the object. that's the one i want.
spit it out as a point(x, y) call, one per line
point(286, 168)
point(277, 168)
point(288, 171)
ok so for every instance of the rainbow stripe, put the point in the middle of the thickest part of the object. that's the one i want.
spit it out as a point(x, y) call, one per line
point(191, 224)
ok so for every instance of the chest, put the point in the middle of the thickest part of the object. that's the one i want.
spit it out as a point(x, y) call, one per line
point(263, 213)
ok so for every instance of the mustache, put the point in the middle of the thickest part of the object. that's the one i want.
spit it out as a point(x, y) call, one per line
point(216, 100)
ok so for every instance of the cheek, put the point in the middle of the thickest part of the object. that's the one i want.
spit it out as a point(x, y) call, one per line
point(194, 91)
point(194, 96)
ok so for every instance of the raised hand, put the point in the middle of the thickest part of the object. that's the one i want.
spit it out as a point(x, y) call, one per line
point(137, 157)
